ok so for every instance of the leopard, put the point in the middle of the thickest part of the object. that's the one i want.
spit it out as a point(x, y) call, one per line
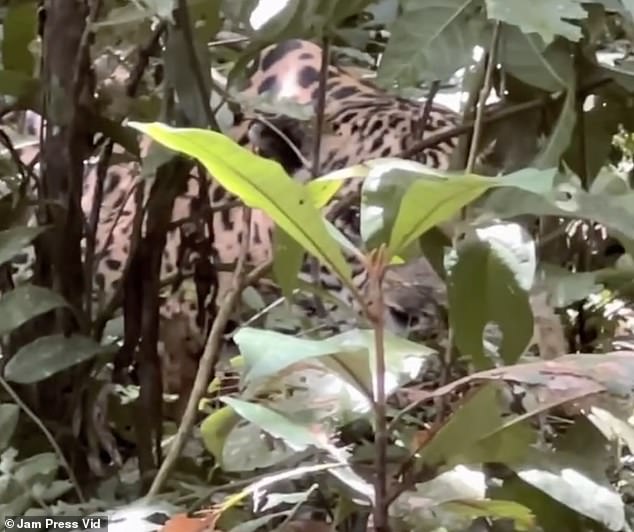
point(362, 121)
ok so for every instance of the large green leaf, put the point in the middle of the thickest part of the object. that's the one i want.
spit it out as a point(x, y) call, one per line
point(525, 57)
point(260, 183)
point(288, 257)
point(430, 40)
point(478, 417)
point(268, 352)
point(437, 196)
point(19, 30)
point(215, 429)
point(456, 497)
point(483, 288)
point(294, 434)
point(568, 479)
point(381, 195)
point(623, 74)
point(351, 355)
point(12, 241)
point(288, 254)
point(49, 355)
point(597, 129)
point(614, 211)
point(548, 18)
point(181, 77)
point(19, 85)
point(560, 138)
point(9, 415)
point(25, 302)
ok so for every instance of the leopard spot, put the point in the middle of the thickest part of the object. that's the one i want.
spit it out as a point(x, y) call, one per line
point(307, 76)
point(279, 52)
point(113, 264)
point(269, 84)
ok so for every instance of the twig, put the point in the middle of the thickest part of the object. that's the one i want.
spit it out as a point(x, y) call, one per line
point(182, 16)
point(132, 86)
point(484, 94)
point(93, 222)
point(320, 107)
point(429, 105)
point(83, 53)
point(495, 116)
point(47, 435)
point(145, 52)
point(377, 262)
point(209, 359)
point(316, 162)
point(25, 170)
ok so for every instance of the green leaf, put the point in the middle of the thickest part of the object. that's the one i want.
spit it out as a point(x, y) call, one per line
point(568, 200)
point(181, 77)
point(623, 74)
point(132, 13)
point(522, 517)
point(18, 85)
point(288, 254)
point(547, 18)
point(40, 468)
point(14, 240)
point(403, 359)
point(599, 124)
point(9, 415)
point(25, 302)
point(350, 354)
point(215, 429)
point(508, 445)
point(438, 196)
point(550, 515)
point(49, 355)
point(381, 196)
point(430, 40)
point(565, 287)
point(268, 352)
point(19, 31)
point(295, 435)
point(478, 417)
point(561, 136)
point(483, 288)
point(525, 57)
point(260, 183)
point(565, 478)
point(288, 257)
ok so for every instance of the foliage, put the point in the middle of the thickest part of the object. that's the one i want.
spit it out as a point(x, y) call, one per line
point(509, 409)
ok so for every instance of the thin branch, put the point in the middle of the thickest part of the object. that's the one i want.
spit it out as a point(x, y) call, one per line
point(47, 434)
point(144, 53)
point(93, 222)
point(376, 306)
point(209, 358)
point(316, 166)
point(484, 94)
point(429, 105)
point(493, 117)
point(320, 107)
point(184, 23)
point(25, 171)
point(83, 53)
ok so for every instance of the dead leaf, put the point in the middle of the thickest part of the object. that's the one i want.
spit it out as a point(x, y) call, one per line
point(185, 523)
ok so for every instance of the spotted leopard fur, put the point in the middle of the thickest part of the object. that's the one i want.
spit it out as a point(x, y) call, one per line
point(361, 122)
